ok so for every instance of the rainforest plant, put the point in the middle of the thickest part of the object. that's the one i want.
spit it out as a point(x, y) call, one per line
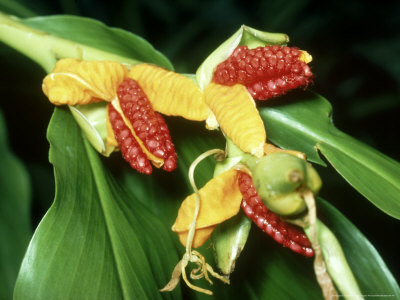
point(108, 233)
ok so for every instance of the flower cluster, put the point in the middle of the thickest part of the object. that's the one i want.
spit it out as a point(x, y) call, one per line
point(136, 96)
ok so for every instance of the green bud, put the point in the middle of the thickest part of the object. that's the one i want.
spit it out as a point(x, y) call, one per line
point(279, 178)
point(314, 182)
point(278, 173)
point(92, 120)
point(229, 239)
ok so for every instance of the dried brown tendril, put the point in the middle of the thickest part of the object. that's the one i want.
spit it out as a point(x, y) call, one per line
point(323, 277)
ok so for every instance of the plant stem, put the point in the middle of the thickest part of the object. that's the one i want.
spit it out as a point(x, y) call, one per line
point(336, 262)
point(46, 49)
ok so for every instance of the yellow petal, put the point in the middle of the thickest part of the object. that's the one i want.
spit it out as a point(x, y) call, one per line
point(81, 82)
point(219, 200)
point(237, 116)
point(200, 236)
point(170, 93)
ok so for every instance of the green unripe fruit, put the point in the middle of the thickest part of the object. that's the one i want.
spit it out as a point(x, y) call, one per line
point(279, 179)
point(286, 204)
point(278, 173)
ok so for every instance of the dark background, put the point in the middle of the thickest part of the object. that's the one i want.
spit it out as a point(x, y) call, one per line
point(355, 46)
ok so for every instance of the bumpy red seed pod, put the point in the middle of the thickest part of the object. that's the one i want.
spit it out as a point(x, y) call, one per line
point(138, 110)
point(170, 160)
point(266, 72)
point(130, 148)
point(148, 127)
point(288, 235)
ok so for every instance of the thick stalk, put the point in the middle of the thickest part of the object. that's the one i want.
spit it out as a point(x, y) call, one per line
point(46, 49)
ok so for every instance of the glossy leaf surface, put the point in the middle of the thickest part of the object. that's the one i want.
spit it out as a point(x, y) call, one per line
point(372, 274)
point(15, 228)
point(302, 121)
point(96, 237)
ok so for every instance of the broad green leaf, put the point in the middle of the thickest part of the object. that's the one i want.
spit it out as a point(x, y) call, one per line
point(15, 228)
point(97, 239)
point(373, 276)
point(302, 121)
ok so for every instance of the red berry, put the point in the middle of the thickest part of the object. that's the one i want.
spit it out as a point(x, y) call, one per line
point(130, 148)
point(266, 72)
point(148, 127)
point(138, 110)
point(288, 235)
point(170, 160)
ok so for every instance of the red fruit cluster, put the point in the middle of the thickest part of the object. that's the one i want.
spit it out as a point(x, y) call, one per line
point(288, 235)
point(148, 126)
point(266, 72)
point(170, 159)
point(130, 148)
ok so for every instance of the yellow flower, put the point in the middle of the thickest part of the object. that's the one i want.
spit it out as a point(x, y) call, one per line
point(143, 136)
point(220, 200)
point(231, 106)
point(74, 82)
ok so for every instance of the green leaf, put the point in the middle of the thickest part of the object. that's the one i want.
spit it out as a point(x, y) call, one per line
point(97, 238)
point(16, 8)
point(303, 122)
point(15, 228)
point(373, 276)
point(191, 140)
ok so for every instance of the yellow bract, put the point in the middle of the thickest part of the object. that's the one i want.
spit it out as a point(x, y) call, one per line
point(200, 236)
point(305, 56)
point(170, 93)
point(81, 82)
point(237, 116)
point(220, 199)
